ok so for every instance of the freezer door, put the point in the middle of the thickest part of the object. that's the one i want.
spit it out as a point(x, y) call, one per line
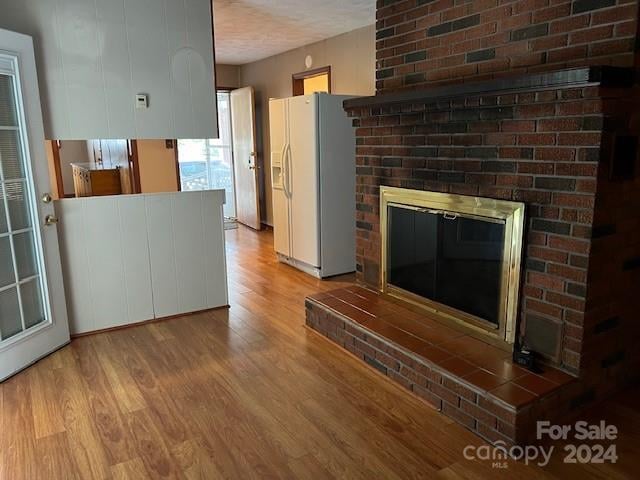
point(278, 128)
point(337, 187)
point(304, 171)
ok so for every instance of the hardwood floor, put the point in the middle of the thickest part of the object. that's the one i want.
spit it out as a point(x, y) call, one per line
point(244, 393)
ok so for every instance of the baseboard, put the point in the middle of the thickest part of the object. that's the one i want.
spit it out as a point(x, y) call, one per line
point(147, 322)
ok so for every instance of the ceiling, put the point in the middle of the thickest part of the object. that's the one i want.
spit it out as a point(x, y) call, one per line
point(250, 30)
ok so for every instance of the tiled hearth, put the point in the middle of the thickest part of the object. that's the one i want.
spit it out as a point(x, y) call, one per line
point(470, 381)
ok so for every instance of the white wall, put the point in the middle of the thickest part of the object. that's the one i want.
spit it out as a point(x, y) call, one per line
point(94, 55)
point(127, 259)
point(352, 60)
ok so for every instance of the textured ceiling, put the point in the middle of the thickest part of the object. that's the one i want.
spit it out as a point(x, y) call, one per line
point(250, 30)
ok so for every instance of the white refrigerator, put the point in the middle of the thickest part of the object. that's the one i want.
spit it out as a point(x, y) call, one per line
point(313, 183)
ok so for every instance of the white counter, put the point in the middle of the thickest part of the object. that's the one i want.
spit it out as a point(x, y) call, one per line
point(131, 258)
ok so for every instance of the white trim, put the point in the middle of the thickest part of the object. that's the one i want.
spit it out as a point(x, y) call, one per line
point(16, 232)
point(21, 282)
point(7, 66)
point(305, 267)
point(25, 335)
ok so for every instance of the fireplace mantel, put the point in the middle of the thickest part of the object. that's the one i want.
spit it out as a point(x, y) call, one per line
point(604, 76)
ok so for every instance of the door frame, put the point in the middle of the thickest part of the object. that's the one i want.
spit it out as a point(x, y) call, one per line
point(177, 159)
point(56, 146)
point(297, 79)
point(134, 165)
point(57, 168)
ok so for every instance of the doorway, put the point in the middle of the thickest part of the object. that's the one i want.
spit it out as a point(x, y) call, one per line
point(207, 164)
point(230, 162)
point(312, 81)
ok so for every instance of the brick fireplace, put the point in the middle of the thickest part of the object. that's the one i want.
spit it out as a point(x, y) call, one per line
point(477, 99)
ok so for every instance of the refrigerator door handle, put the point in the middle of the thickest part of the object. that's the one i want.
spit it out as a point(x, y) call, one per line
point(287, 170)
point(285, 175)
point(282, 155)
point(290, 185)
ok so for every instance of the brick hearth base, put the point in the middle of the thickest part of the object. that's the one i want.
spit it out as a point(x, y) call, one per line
point(470, 381)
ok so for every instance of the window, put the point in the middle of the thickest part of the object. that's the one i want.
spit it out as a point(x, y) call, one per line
point(207, 164)
point(22, 302)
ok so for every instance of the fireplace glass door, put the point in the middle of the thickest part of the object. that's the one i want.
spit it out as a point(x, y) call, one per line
point(450, 258)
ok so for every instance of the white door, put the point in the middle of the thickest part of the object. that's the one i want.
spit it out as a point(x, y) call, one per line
point(279, 145)
point(243, 133)
point(305, 206)
point(33, 314)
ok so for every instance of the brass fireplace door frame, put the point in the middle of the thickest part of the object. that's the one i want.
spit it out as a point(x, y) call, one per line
point(512, 214)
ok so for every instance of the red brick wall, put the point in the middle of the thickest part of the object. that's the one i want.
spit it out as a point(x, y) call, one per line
point(443, 41)
point(609, 333)
point(541, 148)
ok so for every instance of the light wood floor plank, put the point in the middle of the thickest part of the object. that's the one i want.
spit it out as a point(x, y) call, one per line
point(309, 467)
point(47, 418)
point(104, 407)
point(149, 442)
point(88, 452)
point(54, 457)
point(125, 391)
point(131, 470)
point(17, 436)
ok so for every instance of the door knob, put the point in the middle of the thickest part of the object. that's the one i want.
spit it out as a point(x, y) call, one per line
point(46, 198)
point(50, 220)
